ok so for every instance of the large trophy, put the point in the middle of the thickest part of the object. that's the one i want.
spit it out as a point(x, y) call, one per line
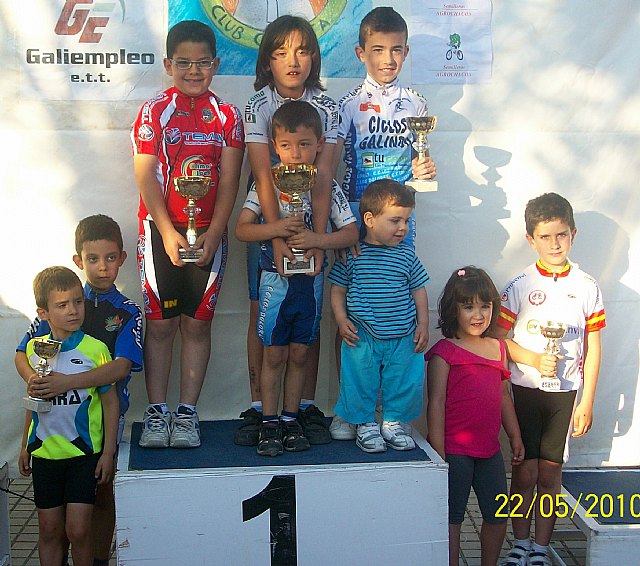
point(46, 349)
point(420, 126)
point(192, 188)
point(553, 332)
point(295, 180)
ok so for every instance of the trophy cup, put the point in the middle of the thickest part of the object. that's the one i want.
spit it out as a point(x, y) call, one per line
point(192, 188)
point(553, 332)
point(420, 126)
point(46, 349)
point(295, 180)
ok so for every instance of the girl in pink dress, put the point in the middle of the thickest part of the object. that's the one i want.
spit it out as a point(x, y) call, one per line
point(469, 399)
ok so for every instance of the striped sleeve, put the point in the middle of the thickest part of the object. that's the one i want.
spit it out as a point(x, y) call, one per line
point(506, 319)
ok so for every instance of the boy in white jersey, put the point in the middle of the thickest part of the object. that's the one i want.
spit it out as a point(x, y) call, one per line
point(553, 290)
point(373, 130)
point(290, 307)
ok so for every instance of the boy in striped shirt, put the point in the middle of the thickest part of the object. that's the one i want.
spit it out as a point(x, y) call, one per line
point(381, 307)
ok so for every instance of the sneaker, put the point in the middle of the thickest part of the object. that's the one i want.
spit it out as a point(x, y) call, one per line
point(270, 441)
point(369, 439)
point(312, 421)
point(341, 429)
point(537, 558)
point(517, 556)
point(293, 438)
point(395, 436)
point(155, 428)
point(248, 432)
point(185, 429)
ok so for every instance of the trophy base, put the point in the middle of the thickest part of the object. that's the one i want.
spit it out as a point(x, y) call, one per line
point(300, 266)
point(550, 384)
point(190, 256)
point(423, 185)
point(37, 405)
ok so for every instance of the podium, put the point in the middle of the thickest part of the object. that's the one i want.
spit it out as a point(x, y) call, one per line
point(605, 504)
point(331, 505)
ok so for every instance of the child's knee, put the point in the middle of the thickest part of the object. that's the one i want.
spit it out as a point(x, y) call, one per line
point(298, 354)
point(275, 356)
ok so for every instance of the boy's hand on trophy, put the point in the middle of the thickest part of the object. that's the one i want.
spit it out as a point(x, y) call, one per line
point(423, 168)
point(173, 241)
point(288, 226)
point(305, 239)
point(547, 364)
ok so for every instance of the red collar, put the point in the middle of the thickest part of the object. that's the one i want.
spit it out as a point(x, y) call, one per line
point(542, 270)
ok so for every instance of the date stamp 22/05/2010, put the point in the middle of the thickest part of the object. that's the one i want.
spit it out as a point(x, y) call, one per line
point(597, 506)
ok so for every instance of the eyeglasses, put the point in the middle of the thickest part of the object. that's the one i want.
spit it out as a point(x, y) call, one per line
point(185, 65)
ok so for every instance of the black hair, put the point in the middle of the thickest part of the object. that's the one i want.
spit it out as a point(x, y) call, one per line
point(464, 285)
point(190, 30)
point(291, 115)
point(98, 227)
point(382, 19)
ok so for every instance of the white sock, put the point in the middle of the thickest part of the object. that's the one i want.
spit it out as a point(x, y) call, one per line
point(257, 405)
point(162, 406)
point(524, 543)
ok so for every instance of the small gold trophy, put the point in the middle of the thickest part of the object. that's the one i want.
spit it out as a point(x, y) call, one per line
point(46, 348)
point(420, 126)
point(192, 188)
point(553, 332)
point(295, 180)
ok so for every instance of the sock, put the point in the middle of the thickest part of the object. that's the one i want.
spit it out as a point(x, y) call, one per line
point(161, 407)
point(185, 409)
point(535, 547)
point(287, 416)
point(306, 403)
point(257, 405)
point(270, 418)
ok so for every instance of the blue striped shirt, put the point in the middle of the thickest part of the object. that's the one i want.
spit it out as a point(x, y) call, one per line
point(379, 284)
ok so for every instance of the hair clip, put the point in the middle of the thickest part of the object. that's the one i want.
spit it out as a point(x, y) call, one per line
point(461, 272)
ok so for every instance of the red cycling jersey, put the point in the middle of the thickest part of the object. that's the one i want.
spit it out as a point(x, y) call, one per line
point(187, 136)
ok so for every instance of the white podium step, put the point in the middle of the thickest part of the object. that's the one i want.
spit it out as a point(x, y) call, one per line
point(353, 513)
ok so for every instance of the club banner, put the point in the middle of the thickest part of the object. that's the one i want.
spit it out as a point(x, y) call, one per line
point(451, 42)
point(91, 50)
point(239, 24)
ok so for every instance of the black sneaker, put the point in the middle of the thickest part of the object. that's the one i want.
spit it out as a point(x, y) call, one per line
point(270, 441)
point(293, 438)
point(248, 432)
point(314, 425)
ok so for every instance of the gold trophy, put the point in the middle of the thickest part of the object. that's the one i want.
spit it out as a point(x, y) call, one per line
point(420, 126)
point(192, 188)
point(295, 180)
point(553, 332)
point(46, 348)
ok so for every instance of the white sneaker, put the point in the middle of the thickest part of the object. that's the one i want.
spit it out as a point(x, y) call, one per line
point(185, 430)
point(537, 558)
point(518, 556)
point(368, 438)
point(395, 436)
point(155, 428)
point(341, 429)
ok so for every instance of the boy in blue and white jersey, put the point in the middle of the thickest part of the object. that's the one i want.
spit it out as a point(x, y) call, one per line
point(290, 307)
point(373, 129)
point(381, 307)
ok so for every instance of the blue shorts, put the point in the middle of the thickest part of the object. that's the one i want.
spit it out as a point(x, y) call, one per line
point(388, 365)
point(411, 234)
point(488, 479)
point(290, 309)
point(253, 269)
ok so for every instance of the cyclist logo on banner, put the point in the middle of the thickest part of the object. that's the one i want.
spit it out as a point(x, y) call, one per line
point(454, 45)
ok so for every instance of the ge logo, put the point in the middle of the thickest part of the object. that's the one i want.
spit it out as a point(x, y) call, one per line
point(537, 297)
point(75, 19)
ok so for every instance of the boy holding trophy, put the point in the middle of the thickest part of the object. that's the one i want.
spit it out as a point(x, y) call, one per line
point(555, 311)
point(291, 306)
point(188, 148)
